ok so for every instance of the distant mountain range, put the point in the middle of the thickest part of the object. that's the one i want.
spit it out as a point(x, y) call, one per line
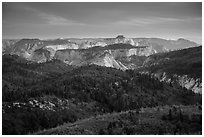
point(43, 50)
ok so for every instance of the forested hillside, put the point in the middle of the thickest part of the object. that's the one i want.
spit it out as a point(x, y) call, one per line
point(41, 96)
point(182, 62)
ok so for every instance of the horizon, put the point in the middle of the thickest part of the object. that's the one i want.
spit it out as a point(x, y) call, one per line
point(169, 20)
point(99, 38)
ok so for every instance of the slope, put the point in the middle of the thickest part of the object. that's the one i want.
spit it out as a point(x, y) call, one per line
point(141, 122)
point(47, 96)
point(186, 63)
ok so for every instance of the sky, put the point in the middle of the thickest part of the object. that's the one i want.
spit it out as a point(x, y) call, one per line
point(98, 20)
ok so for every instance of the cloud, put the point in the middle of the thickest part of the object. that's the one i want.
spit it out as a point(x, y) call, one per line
point(136, 22)
point(181, 19)
point(51, 19)
point(153, 20)
point(58, 20)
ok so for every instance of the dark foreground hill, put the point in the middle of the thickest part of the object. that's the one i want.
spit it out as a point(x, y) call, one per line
point(42, 96)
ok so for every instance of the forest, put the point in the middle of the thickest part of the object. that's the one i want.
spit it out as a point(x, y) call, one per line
point(42, 96)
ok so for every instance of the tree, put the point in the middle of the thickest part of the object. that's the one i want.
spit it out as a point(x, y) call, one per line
point(101, 132)
point(170, 114)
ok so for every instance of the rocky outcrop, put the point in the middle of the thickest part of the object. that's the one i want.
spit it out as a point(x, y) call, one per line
point(71, 57)
point(108, 60)
point(122, 39)
point(189, 83)
point(41, 55)
point(143, 51)
point(184, 81)
point(7, 45)
point(109, 57)
point(179, 80)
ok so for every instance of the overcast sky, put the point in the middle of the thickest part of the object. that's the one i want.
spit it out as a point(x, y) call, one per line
point(54, 20)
